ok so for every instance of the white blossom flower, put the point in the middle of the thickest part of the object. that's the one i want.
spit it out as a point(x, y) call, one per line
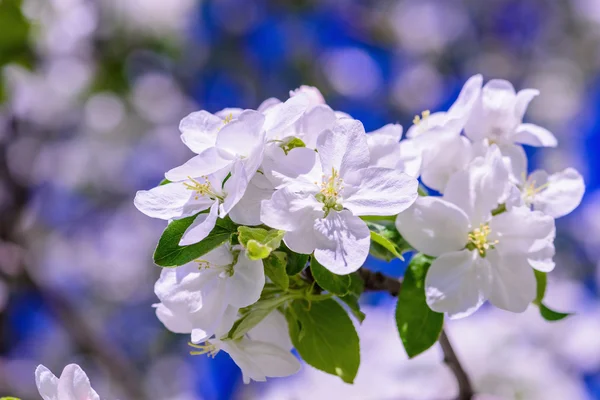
point(73, 384)
point(320, 209)
point(182, 199)
point(263, 352)
point(197, 297)
point(480, 256)
point(555, 195)
point(438, 137)
point(388, 151)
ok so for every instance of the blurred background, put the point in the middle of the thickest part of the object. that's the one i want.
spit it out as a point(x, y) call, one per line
point(91, 94)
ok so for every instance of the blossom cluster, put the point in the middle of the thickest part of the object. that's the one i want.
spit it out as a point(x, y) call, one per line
point(296, 185)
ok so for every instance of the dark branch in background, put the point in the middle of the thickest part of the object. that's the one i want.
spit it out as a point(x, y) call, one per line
point(376, 281)
point(86, 339)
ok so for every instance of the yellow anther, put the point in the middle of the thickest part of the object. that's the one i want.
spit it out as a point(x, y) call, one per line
point(332, 185)
point(424, 115)
point(201, 189)
point(228, 118)
point(478, 240)
point(206, 348)
point(529, 190)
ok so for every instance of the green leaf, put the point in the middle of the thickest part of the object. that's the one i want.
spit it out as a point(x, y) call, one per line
point(418, 325)
point(254, 315)
point(327, 280)
point(325, 337)
point(292, 144)
point(295, 262)
point(275, 269)
point(351, 301)
point(168, 253)
point(551, 315)
point(386, 244)
point(259, 242)
point(164, 182)
point(357, 285)
point(541, 280)
point(547, 313)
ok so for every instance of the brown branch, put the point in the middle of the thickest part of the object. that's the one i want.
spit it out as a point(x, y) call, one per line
point(465, 390)
point(376, 281)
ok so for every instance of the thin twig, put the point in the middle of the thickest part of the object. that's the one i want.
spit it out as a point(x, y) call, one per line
point(376, 281)
point(465, 390)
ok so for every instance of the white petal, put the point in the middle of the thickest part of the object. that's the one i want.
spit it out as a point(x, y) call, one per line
point(199, 130)
point(283, 169)
point(303, 239)
point(228, 319)
point(343, 242)
point(170, 201)
point(268, 104)
point(206, 163)
point(521, 231)
point(444, 159)
point(343, 148)
point(524, 97)
point(247, 210)
point(75, 385)
point(314, 95)
point(384, 150)
point(458, 283)
point(494, 115)
point(243, 134)
point(315, 121)
point(235, 187)
point(379, 191)
point(562, 195)
point(513, 282)
point(176, 323)
point(47, 383)
point(184, 289)
point(411, 158)
point(434, 226)
point(247, 282)
point(534, 135)
point(201, 227)
point(393, 131)
point(271, 360)
point(280, 119)
point(468, 96)
point(273, 329)
point(287, 210)
point(478, 189)
point(516, 160)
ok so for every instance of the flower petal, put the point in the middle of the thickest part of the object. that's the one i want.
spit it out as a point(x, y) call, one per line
point(493, 116)
point(478, 189)
point(170, 201)
point(315, 121)
point(516, 160)
point(287, 210)
point(524, 97)
point(344, 147)
point(235, 187)
point(273, 329)
point(468, 96)
point(205, 163)
point(458, 283)
point(240, 136)
point(380, 191)
point(246, 283)
point(46, 382)
point(449, 154)
point(434, 226)
point(280, 119)
point(247, 210)
point(176, 323)
point(201, 227)
point(513, 282)
point(199, 130)
point(562, 195)
point(75, 385)
point(343, 242)
point(534, 135)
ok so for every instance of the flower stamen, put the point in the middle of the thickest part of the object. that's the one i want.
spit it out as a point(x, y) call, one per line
point(206, 348)
point(202, 189)
point(424, 115)
point(478, 240)
point(331, 186)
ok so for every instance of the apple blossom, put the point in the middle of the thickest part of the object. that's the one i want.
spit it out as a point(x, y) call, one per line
point(388, 151)
point(197, 297)
point(73, 384)
point(320, 210)
point(480, 256)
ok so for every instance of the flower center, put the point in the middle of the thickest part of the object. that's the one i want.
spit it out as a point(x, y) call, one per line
point(331, 186)
point(529, 190)
point(478, 240)
point(424, 115)
point(228, 118)
point(202, 189)
point(206, 348)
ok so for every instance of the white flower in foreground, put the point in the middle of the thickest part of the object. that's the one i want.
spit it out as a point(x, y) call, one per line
point(319, 210)
point(73, 384)
point(178, 200)
point(555, 195)
point(197, 297)
point(263, 352)
point(388, 151)
point(438, 137)
point(479, 256)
